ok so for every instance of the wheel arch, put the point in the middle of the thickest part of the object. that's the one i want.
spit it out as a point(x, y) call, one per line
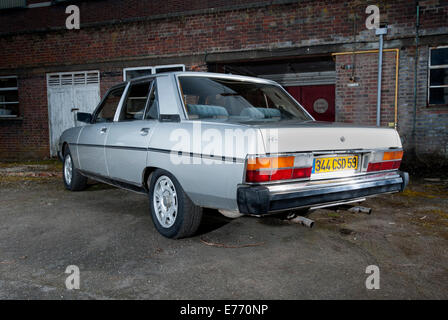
point(64, 148)
point(145, 176)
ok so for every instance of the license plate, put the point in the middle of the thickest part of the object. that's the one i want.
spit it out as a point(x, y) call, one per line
point(332, 164)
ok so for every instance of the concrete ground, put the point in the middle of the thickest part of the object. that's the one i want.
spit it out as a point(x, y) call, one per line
point(109, 235)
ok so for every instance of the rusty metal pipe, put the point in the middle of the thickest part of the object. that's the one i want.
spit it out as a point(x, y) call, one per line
point(303, 221)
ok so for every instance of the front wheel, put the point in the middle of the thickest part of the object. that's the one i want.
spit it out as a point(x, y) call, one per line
point(173, 213)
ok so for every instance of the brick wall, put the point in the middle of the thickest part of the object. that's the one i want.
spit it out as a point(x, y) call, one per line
point(293, 24)
point(27, 137)
point(187, 31)
point(357, 104)
point(430, 141)
point(100, 11)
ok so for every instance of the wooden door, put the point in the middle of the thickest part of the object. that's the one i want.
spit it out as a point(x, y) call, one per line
point(66, 92)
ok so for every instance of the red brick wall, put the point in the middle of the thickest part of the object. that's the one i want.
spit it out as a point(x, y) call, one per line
point(29, 136)
point(95, 11)
point(358, 104)
point(336, 14)
point(430, 141)
point(296, 24)
point(176, 32)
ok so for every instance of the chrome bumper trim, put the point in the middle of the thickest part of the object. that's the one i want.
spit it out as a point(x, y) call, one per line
point(336, 184)
point(259, 200)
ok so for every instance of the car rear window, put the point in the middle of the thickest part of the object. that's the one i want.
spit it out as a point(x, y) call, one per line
point(241, 101)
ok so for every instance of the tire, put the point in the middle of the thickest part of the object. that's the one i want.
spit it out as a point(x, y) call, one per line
point(174, 215)
point(73, 180)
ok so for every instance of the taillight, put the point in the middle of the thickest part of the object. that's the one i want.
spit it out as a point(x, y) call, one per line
point(265, 169)
point(387, 160)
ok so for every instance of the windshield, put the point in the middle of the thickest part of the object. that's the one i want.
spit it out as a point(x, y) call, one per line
point(240, 101)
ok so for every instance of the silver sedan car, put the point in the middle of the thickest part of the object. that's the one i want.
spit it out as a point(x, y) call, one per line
point(241, 145)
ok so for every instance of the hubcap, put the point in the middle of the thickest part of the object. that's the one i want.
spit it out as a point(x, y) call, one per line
point(165, 201)
point(68, 168)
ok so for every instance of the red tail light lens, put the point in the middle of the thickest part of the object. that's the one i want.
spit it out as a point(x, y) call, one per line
point(385, 160)
point(380, 166)
point(397, 164)
point(281, 174)
point(257, 176)
point(299, 173)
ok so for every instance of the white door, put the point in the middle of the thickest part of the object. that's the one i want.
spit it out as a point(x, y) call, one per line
point(68, 91)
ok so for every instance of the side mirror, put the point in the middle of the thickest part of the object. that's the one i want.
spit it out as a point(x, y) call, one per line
point(84, 117)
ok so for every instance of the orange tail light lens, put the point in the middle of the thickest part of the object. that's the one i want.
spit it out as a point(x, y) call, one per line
point(391, 160)
point(270, 163)
point(393, 155)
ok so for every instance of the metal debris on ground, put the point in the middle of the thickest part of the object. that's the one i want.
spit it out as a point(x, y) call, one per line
point(303, 221)
point(359, 209)
point(346, 231)
point(221, 245)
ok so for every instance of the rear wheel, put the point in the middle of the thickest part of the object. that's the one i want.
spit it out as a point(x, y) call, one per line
point(73, 180)
point(173, 213)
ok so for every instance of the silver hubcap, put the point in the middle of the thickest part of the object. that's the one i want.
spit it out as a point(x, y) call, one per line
point(165, 201)
point(68, 169)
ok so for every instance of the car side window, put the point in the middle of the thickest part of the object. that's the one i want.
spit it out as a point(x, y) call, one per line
point(109, 106)
point(135, 103)
point(134, 106)
point(152, 111)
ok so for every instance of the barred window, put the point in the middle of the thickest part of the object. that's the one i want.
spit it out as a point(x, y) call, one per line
point(438, 76)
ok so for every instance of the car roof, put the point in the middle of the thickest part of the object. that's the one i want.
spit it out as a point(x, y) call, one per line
point(202, 74)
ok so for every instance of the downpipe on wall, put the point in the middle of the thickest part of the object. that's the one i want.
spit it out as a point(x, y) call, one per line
point(379, 32)
point(417, 26)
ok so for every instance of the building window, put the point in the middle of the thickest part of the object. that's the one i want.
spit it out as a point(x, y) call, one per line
point(9, 97)
point(131, 73)
point(438, 76)
point(169, 68)
point(9, 4)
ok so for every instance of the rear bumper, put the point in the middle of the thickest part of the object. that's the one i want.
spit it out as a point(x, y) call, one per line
point(260, 200)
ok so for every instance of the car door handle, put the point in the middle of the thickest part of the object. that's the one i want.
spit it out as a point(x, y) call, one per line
point(103, 130)
point(144, 131)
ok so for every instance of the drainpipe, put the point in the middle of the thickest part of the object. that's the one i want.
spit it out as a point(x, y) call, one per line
point(379, 32)
point(417, 25)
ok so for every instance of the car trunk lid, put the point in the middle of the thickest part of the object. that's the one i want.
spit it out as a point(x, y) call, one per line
point(283, 137)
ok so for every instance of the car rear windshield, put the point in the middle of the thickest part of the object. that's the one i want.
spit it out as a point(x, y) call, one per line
point(237, 101)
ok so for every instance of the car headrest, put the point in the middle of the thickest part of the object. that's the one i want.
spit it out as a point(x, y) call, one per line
point(260, 113)
point(207, 111)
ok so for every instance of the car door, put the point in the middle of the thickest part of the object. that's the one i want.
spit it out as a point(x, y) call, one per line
point(128, 139)
point(92, 138)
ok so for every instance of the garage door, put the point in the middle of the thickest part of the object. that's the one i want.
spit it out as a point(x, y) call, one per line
point(315, 91)
point(66, 93)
